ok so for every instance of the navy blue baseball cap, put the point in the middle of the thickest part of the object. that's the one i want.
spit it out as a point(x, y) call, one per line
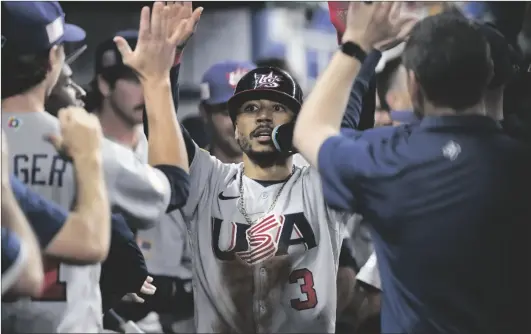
point(220, 80)
point(109, 60)
point(35, 26)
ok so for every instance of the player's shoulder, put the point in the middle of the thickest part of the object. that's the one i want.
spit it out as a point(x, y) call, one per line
point(36, 122)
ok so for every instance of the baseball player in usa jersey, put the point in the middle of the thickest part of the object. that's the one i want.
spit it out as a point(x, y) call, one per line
point(266, 246)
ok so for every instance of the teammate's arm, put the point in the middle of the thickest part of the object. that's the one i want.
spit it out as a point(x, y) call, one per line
point(367, 26)
point(152, 59)
point(85, 236)
point(30, 269)
point(14, 259)
point(31, 277)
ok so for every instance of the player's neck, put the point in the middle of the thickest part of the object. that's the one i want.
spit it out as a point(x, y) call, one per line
point(117, 130)
point(431, 110)
point(494, 103)
point(30, 101)
point(276, 172)
point(222, 156)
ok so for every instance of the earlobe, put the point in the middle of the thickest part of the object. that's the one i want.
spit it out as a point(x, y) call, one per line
point(53, 56)
point(103, 86)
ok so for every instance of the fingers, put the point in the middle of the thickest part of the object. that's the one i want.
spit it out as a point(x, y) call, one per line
point(405, 25)
point(157, 20)
point(179, 33)
point(123, 47)
point(149, 279)
point(382, 10)
point(396, 10)
point(186, 28)
point(148, 288)
point(136, 298)
point(144, 26)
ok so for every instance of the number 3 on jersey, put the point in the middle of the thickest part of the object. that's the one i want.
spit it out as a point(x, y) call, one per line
point(54, 290)
point(306, 287)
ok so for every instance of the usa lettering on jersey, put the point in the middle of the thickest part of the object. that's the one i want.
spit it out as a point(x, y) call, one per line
point(266, 80)
point(262, 239)
point(272, 236)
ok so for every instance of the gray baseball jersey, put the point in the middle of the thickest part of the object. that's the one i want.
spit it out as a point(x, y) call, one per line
point(71, 301)
point(277, 275)
point(165, 247)
point(165, 244)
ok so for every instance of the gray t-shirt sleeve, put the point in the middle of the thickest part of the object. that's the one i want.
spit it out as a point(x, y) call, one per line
point(138, 191)
point(206, 175)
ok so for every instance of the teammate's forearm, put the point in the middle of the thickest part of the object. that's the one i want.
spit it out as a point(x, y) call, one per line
point(31, 279)
point(327, 103)
point(166, 143)
point(92, 213)
point(322, 112)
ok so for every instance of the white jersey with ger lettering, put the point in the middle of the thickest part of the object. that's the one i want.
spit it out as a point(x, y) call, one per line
point(71, 302)
point(277, 275)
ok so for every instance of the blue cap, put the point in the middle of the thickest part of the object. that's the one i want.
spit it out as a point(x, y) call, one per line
point(108, 58)
point(34, 26)
point(220, 80)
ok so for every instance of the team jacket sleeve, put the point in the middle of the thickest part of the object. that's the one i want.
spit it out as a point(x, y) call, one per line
point(45, 217)
point(138, 191)
point(124, 270)
point(348, 164)
point(13, 259)
point(361, 102)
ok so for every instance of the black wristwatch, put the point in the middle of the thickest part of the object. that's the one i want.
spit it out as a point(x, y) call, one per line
point(353, 50)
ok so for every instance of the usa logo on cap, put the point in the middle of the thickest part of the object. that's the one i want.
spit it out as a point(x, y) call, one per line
point(235, 76)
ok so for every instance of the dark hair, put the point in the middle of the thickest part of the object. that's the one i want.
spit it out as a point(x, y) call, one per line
point(22, 72)
point(451, 60)
point(94, 98)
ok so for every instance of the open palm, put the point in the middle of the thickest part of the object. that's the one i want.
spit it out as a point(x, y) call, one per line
point(168, 26)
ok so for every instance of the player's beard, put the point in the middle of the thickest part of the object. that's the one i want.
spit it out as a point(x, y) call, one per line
point(264, 159)
point(125, 116)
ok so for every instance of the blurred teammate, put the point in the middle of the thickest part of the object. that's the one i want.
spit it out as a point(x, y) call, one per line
point(217, 87)
point(47, 173)
point(117, 97)
point(436, 227)
point(124, 270)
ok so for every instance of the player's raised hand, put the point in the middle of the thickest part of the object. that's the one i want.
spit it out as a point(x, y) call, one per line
point(179, 11)
point(161, 30)
point(81, 133)
point(378, 24)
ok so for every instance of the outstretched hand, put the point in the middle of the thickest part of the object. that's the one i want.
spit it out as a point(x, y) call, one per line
point(378, 24)
point(168, 26)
